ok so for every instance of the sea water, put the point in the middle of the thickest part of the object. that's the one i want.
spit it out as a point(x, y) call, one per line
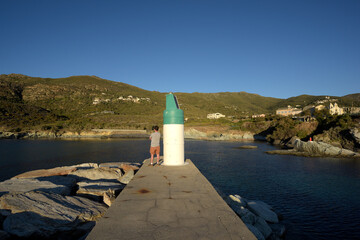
point(319, 198)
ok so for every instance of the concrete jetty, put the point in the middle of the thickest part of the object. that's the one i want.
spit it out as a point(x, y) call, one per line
point(170, 202)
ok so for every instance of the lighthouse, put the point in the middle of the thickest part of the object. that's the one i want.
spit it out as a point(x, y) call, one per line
point(173, 132)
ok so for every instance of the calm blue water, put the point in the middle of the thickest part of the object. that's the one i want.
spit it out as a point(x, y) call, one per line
point(318, 197)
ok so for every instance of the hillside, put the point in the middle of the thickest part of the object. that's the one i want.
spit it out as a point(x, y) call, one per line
point(84, 102)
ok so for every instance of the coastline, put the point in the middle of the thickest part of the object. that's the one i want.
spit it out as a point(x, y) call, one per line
point(190, 133)
point(294, 147)
point(94, 133)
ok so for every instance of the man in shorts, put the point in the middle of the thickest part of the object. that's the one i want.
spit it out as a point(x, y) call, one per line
point(155, 145)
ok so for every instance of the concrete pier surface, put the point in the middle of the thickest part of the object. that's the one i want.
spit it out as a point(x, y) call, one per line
point(170, 202)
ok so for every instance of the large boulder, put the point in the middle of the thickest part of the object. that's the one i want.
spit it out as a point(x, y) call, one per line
point(246, 216)
point(320, 149)
point(123, 165)
point(59, 171)
point(128, 176)
point(239, 200)
point(327, 149)
point(308, 147)
point(3, 215)
point(291, 142)
point(96, 189)
point(44, 214)
point(80, 232)
point(255, 231)
point(67, 208)
point(30, 225)
point(109, 197)
point(127, 167)
point(347, 153)
point(86, 165)
point(263, 210)
point(263, 227)
point(55, 184)
point(356, 134)
point(97, 173)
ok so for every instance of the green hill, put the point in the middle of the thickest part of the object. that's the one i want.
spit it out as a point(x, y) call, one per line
point(84, 102)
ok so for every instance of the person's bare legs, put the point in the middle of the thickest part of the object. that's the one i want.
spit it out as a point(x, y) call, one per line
point(151, 160)
point(158, 158)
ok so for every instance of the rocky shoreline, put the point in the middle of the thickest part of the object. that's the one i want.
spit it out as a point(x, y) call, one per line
point(95, 133)
point(60, 203)
point(315, 149)
point(292, 147)
point(190, 133)
point(193, 133)
point(259, 217)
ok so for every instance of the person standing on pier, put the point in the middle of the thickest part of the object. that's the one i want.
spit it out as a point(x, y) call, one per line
point(155, 145)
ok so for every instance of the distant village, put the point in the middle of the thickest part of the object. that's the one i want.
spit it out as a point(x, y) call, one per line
point(329, 104)
point(129, 98)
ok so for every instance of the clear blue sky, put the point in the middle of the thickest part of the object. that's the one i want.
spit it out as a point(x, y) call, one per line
point(272, 48)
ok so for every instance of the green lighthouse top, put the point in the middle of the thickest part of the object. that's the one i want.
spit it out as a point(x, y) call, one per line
point(173, 114)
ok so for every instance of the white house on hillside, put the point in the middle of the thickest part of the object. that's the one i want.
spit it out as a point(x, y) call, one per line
point(215, 115)
point(289, 111)
point(335, 109)
point(258, 115)
point(332, 107)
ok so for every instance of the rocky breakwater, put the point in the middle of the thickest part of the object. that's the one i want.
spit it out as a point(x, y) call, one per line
point(219, 134)
point(60, 203)
point(259, 217)
point(316, 149)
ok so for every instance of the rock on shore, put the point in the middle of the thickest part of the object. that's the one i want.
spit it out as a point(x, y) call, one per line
point(45, 213)
point(316, 149)
point(247, 147)
point(320, 148)
point(356, 135)
point(258, 216)
point(51, 184)
point(59, 171)
point(37, 205)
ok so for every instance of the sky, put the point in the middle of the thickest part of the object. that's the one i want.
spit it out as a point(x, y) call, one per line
point(277, 48)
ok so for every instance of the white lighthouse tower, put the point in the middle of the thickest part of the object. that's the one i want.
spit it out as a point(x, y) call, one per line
point(173, 132)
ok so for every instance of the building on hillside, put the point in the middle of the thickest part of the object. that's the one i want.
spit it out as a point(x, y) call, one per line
point(332, 107)
point(352, 110)
point(335, 109)
point(310, 107)
point(258, 115)
point(289, 111)
point(215, 115)
point(326, 100)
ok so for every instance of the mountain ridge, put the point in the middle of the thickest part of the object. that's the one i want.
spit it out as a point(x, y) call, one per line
point(93, 102)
